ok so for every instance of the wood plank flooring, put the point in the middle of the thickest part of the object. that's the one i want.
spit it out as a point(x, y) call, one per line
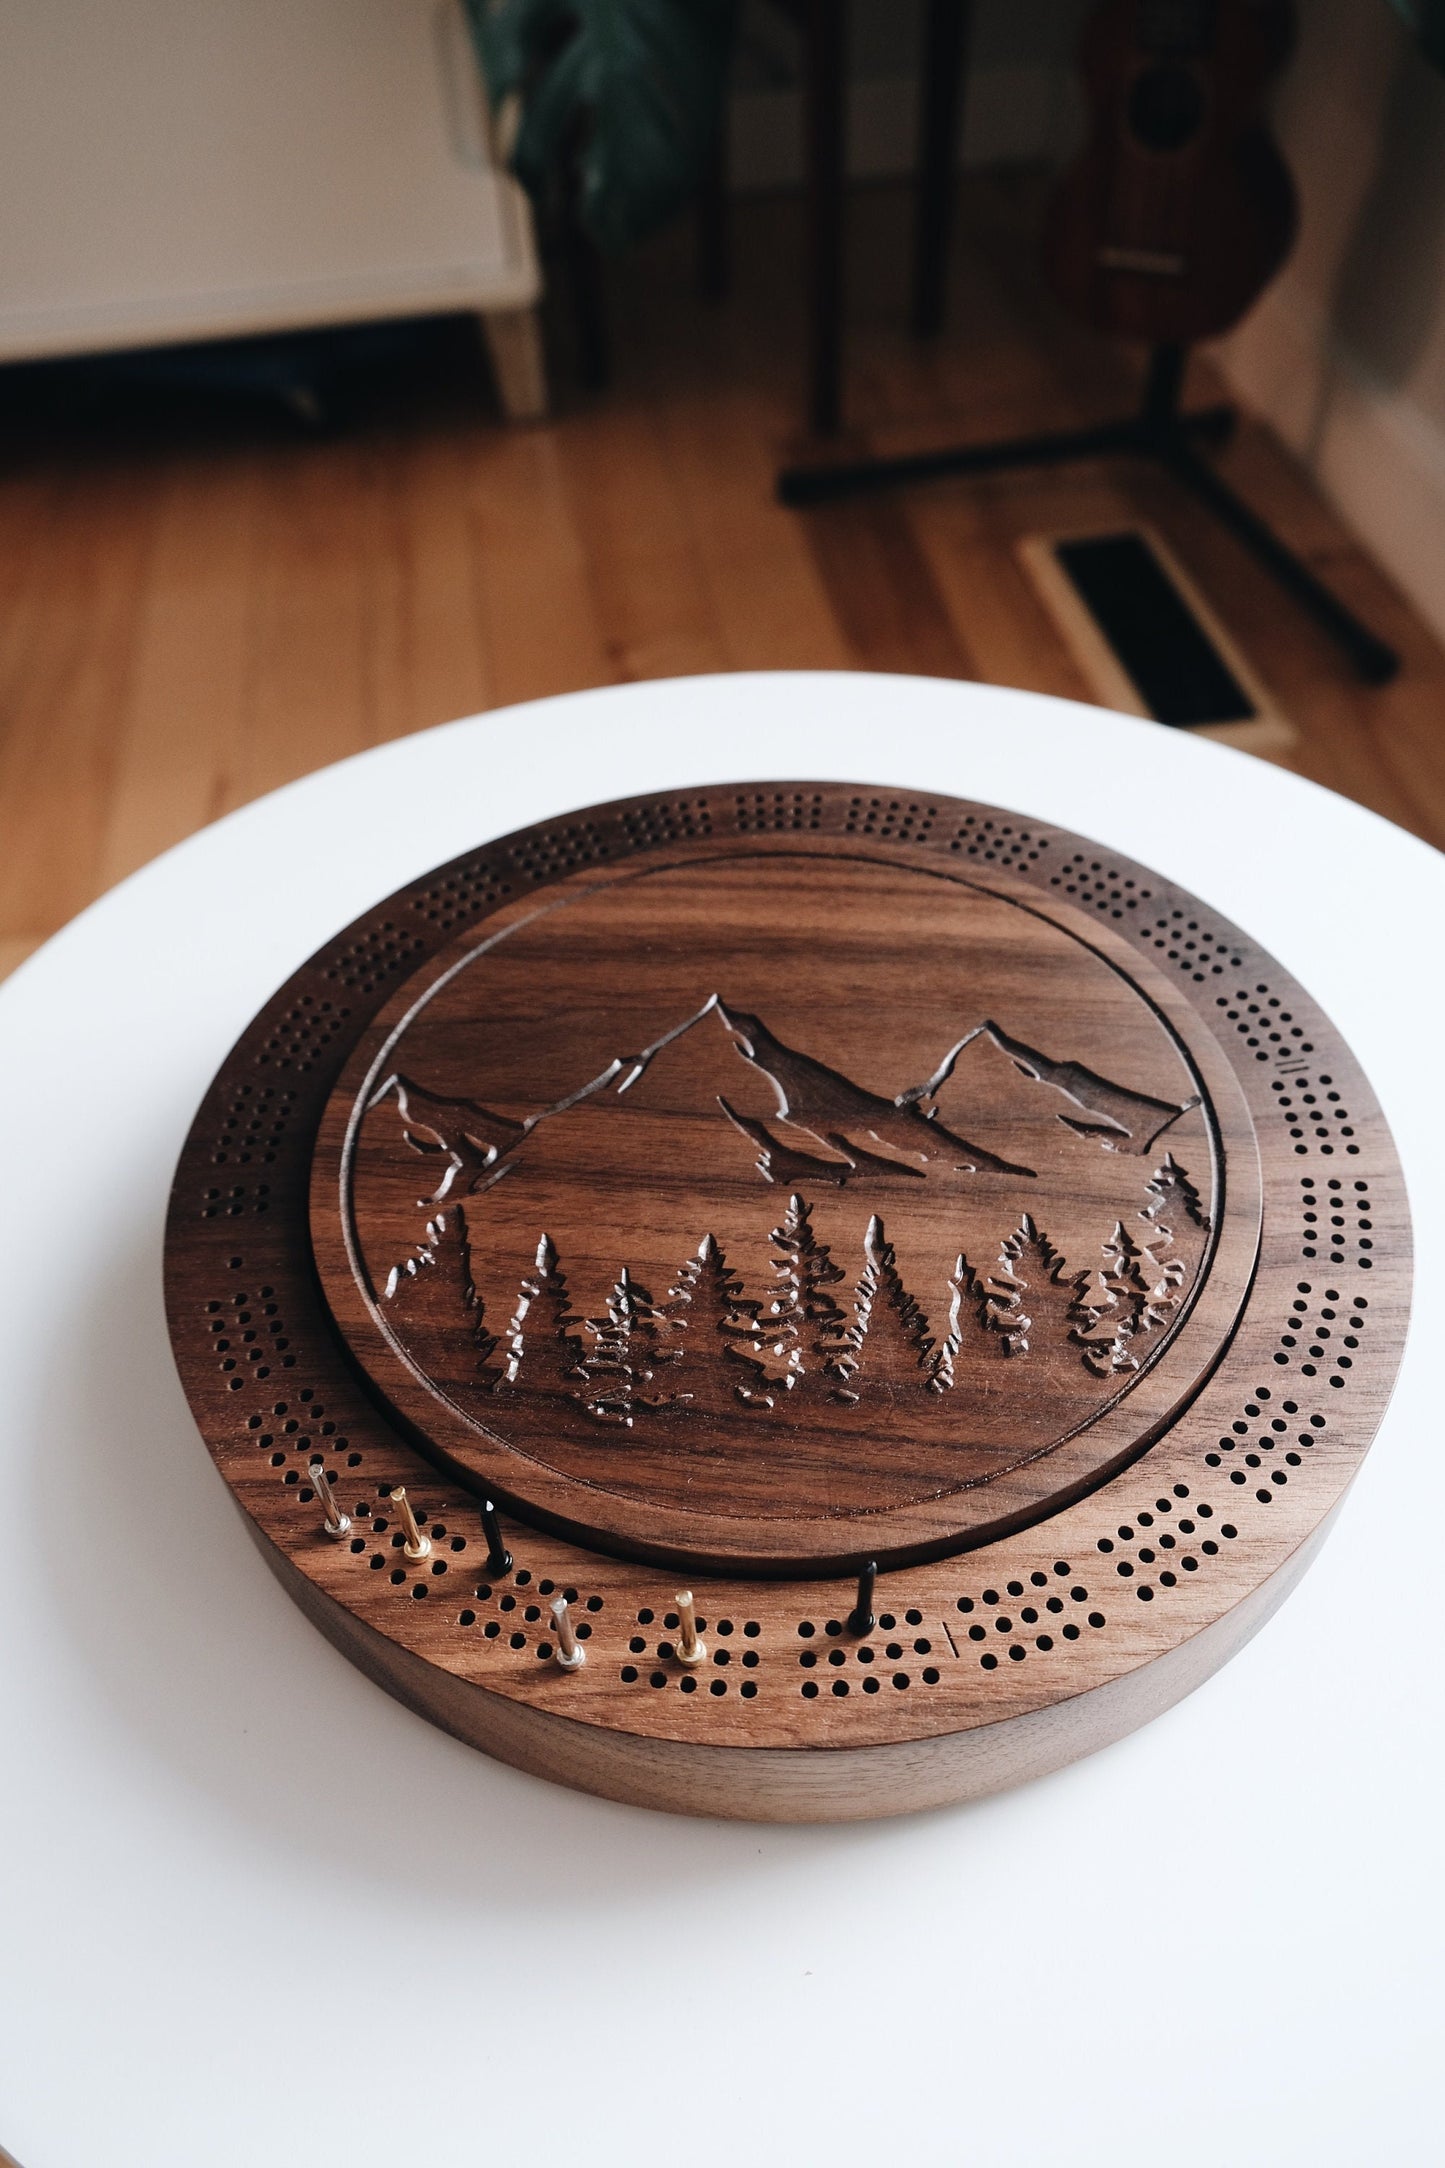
point(197, 603)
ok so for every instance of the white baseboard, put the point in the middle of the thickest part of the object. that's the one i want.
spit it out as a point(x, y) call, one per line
point(1376, 456)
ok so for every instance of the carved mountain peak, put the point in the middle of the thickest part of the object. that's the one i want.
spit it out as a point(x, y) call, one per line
point(822, 1126)
point(1114, 1116)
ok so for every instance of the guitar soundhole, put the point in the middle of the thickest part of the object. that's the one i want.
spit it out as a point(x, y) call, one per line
point(1166, 107)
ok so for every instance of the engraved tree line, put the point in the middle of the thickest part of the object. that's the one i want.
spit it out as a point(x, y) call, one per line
point(708, 1349)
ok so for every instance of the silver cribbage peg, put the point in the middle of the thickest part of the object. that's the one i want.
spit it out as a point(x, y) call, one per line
point(336, 1523)
point(570, 1653)
point(690, 1648)
point(418, 1543)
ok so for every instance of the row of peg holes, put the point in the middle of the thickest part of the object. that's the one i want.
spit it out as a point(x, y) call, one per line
point(777, 812)
point(368, 962)
point(307, 1028)
point(980, 836)
point(647, 825)
point(462, 895)
point(1316, 1119)
point(253, 1126)
point(1104, 887)
point(864, 1653)
point(558, 850)
point(1326, 1209)
point(254, 1332)
point(721, 1655)
point(1298, 1328)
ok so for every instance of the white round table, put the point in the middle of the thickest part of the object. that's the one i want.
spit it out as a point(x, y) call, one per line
point(259, 1916)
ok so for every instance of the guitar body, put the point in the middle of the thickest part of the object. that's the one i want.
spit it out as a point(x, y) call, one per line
point(1180, 209)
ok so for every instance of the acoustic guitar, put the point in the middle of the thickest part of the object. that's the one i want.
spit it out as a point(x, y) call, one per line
point(1180, 209)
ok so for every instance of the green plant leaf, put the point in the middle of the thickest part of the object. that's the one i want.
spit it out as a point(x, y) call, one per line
point(632, 89)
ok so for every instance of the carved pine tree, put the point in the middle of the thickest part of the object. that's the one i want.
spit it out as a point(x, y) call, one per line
point(1125, 1276)
point(1095, 1323)
point(436, 1304)
point(889, 1337)
point(1037, 1269)
point(545, 1344)
point(653, 1346)
point(803, 1328)
point(1144, 1290)
point(778, 1357)
point(1003, 1306)
point(1174, 1201)
point(1166, 1286)
point(1174, 1219)
point(722, 1333)
point(968, 1330)
point(609, 1391)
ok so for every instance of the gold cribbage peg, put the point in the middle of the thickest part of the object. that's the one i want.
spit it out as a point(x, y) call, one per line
point(418, 1542)
point(570, 1653)
point(336, 1523)
point(690, 1648)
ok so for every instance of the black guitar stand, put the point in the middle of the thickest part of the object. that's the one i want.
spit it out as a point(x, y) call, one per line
point(1161, 431)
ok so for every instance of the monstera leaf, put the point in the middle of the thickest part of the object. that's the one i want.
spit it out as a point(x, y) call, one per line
point(632, 89)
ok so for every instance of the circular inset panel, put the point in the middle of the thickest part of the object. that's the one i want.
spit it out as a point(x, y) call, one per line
point(751, 1184)
point(781, 1206)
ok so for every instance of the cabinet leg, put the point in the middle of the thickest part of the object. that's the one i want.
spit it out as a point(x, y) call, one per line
point(514, 346)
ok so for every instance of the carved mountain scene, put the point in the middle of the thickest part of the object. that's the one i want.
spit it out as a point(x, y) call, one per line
point(816, 1123)
point(1037, 1284)
point(699, 1215)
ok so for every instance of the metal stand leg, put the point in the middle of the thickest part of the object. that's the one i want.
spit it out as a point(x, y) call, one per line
point(1374, 661)
point(1163, 388)
point(714, 226)
point(1158, 431)
point(826, 48)
point(945, 45)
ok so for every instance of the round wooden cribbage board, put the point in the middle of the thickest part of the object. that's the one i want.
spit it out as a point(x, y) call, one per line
point(742, 1187)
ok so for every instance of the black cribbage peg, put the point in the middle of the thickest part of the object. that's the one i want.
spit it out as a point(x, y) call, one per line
point(499, 1558)
point(860, 1618)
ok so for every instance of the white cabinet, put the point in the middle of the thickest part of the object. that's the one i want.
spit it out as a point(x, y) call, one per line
point(184, 169)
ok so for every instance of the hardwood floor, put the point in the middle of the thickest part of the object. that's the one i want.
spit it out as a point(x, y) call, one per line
point(197, 603)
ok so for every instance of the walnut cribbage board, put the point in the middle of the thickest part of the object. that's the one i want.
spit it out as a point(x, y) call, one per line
point(742, 1187)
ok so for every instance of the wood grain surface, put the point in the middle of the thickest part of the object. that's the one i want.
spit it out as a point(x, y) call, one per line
point(993, 1650)
point(901, 1262)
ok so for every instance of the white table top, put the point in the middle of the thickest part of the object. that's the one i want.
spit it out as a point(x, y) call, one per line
point(259, 1916)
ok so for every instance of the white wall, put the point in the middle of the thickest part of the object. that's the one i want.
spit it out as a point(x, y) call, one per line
point(1345, 355)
